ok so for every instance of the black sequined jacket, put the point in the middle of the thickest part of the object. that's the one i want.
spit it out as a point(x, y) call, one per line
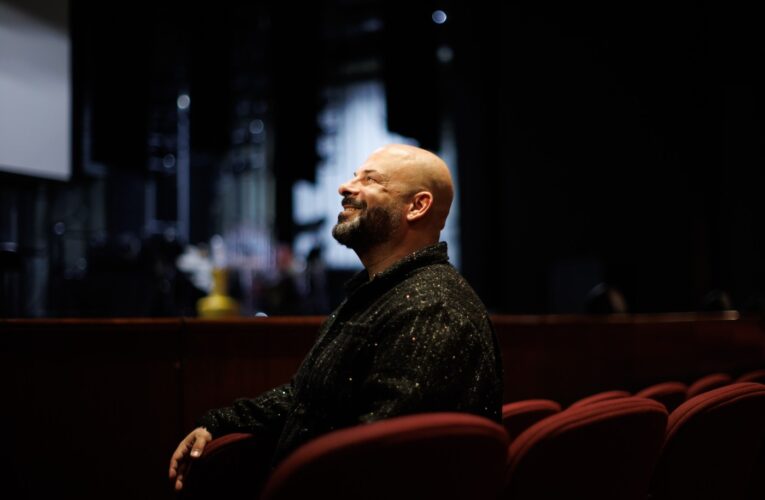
point(414, 339)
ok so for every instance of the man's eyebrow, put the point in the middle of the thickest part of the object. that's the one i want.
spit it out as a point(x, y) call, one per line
point(372, 171)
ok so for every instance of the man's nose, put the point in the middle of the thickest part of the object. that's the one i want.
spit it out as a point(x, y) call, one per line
point(347, 188)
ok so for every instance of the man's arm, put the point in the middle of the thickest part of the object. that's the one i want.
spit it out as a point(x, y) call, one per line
point(263, 415)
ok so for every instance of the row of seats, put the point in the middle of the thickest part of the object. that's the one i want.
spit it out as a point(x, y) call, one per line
point(710, 448)
point(672, 394)
point(610, 445)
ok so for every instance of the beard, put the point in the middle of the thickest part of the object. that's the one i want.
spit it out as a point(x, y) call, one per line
point(370, 227)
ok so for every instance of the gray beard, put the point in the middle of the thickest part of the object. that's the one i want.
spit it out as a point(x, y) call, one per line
point(371, 227)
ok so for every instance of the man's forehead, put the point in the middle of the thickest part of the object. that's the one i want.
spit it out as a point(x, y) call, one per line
point(385, 161)
point(392, 163)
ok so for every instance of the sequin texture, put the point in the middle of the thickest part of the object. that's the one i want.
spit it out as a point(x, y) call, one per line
point(415, 338)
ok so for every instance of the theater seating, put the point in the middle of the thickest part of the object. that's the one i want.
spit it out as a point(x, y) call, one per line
point(603, 450)
point(520, 415)
point(601, 396)
point(670, 394)
point(753, 376)
point(707, 383)
point(757, 481)
point(711, 444)
point(603, 446)
point(438, 455)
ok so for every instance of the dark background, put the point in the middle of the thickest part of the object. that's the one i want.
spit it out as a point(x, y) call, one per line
point(596, 143)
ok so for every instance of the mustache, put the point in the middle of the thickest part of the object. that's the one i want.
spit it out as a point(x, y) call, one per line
point(350, 202)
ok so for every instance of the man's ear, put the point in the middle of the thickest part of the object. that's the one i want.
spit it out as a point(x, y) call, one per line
point(419, 206)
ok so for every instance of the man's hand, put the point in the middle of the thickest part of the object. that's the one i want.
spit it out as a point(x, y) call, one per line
point(190, 449)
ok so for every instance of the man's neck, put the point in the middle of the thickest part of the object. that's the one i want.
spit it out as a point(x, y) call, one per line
point(381, 257)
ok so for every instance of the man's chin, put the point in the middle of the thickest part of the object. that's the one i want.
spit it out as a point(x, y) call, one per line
point(342, 232)
point(345, 242)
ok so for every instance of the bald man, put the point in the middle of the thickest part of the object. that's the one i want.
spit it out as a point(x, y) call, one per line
point(410, 337)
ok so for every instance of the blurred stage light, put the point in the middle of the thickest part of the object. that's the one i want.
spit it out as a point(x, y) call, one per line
point(256, 126)
point(444, 54)
point(439, 17)
point(183, 101)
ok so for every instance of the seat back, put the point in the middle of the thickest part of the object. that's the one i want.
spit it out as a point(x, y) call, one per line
point(603, 450)
point(520, 415)
point(707, 383)
point(711, 444)
point(601, 396)
point(233, 466)
point(753, 376)
point(436, 455)
point(670, 394)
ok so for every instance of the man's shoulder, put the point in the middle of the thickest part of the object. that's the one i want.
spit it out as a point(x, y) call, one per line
point(440, 279)
point(440, 285)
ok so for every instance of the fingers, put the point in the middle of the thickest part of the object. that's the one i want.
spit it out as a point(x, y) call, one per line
point(201, 438)
point(181, 476)
point(178, 456)
point(175, 461)
point(183, 467)
point(192, 447)
point(179, 463)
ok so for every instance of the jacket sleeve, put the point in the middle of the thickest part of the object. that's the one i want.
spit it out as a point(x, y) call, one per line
point(428, 360)
point(264, 415)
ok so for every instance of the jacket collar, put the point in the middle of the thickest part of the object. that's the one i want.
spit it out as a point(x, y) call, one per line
point(432, 254)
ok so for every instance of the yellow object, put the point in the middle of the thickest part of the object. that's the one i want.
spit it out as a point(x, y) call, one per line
point(218, 304)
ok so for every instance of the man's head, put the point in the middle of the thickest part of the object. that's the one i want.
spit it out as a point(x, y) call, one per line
point(400, 195)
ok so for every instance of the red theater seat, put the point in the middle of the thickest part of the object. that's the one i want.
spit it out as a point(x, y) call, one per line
point(753, 376)
point(601, 396)
point(436, 455)
point(233, 466)
point(670, 394)
point(708, 383)
point(600, 451)
point(711, 444)
point(520, 415)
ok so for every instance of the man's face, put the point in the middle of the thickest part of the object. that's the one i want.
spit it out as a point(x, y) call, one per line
point(372, 207)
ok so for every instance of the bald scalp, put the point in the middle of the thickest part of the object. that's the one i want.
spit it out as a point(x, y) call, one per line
point(414, 170)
